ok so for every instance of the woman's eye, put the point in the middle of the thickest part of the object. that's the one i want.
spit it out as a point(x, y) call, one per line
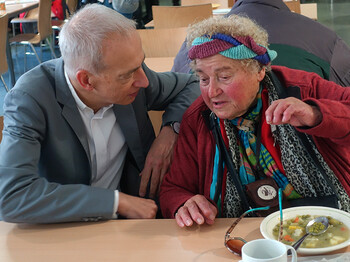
point(203, 80)
point(224, 78)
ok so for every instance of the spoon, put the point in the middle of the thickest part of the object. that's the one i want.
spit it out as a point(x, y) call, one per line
point(313, 229)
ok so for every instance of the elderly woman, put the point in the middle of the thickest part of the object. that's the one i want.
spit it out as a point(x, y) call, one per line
point(255, 125)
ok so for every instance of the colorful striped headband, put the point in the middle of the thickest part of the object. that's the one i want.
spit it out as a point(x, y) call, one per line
point(239, 47)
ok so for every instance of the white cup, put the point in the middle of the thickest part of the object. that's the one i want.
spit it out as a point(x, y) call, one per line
point(263, 250)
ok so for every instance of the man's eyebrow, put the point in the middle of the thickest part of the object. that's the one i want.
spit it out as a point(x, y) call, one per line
point(134, 69)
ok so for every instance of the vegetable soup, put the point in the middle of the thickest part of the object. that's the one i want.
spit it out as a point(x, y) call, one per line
point(294, 228)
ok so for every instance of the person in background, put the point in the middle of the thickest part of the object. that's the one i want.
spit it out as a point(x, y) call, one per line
point(126, 7)
point(57, 8)
point(259, 115)
point(107, 3)
point(78, 144)
point(301, 43)
point(148, 6)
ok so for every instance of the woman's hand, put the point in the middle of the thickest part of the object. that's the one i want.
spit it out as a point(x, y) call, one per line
point(294, 112)
point(197, 209)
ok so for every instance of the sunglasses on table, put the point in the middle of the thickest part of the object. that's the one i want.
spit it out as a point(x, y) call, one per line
point(235, 244)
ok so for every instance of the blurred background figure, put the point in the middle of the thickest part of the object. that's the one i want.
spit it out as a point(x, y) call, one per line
point(301, 43)
point(126, 7)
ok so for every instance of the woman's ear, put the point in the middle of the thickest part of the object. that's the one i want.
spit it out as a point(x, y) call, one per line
point(84, 78)
point(262, 73)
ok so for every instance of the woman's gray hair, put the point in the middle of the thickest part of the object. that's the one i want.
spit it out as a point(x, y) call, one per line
point(81, 38)
point(234, 25)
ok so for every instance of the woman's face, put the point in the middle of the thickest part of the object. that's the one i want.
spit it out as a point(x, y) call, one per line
point(228, 88)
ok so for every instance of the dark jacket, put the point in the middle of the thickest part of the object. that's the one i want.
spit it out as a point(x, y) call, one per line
point(301, 43)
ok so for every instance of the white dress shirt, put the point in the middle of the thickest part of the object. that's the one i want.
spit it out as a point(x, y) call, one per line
point(106, 145)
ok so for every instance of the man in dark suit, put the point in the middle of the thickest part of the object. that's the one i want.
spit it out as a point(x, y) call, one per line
point(78, 144)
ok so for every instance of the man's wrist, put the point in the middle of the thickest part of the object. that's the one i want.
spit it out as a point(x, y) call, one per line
point(175, 126)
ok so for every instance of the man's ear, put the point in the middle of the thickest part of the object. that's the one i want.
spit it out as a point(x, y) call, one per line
point(84, 78)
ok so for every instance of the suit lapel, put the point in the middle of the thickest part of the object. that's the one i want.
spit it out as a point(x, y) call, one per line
point(69, 109)
point(125, 116)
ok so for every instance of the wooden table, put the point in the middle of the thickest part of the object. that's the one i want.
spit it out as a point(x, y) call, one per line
point(160, 64)
point(14, 8)
point(123, 240)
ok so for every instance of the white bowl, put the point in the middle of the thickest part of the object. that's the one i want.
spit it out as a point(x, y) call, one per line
point(273, 219)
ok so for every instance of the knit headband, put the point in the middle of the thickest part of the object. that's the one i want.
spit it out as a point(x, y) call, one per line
point(239, 47)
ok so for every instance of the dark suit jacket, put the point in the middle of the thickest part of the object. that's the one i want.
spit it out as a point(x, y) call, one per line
point(44, 156)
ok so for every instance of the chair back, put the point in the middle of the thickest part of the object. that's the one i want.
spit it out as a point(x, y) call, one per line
point(180, 16)
point(230, 3)
point(162, 42)
point(32, 14)
point(222, 3)
point(44, 19)
point(72, 7)
point(293, 5)
point(3, 39)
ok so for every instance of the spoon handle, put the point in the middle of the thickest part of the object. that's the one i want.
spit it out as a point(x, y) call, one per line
point(298, 243)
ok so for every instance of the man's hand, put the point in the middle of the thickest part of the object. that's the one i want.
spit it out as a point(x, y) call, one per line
point(294, 112)
point(136, 207)
point(197, 209)
point(158, 161)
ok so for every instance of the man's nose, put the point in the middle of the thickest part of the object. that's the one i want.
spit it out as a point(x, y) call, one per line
point(141, 79)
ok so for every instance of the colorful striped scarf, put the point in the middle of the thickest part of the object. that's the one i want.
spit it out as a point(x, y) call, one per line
point(248, 160)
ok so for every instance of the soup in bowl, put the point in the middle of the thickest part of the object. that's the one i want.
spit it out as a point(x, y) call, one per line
point(294, 228)
point(269, 223)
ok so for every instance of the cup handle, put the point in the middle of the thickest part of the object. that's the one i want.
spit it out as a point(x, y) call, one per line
point(292, 251)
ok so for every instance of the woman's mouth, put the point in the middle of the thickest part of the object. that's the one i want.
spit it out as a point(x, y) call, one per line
point(218, 104)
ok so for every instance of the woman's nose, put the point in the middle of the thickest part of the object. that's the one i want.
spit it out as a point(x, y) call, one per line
point(214, 89)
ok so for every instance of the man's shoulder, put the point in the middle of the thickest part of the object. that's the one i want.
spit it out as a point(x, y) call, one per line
point(196, 108)
point(40, 78)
